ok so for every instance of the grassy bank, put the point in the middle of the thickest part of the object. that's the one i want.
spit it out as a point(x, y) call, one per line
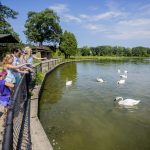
point(106, 57)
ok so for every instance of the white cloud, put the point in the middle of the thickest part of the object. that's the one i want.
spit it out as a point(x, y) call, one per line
point(106, 15)
point(95, 27)
point(136, 22)
point(102, 16)
point(83, 16)
point(131, 29)
point(70, 18)
point(60, 8)
point(132, 34)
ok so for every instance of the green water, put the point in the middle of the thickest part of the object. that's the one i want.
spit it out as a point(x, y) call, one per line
point(84, 115)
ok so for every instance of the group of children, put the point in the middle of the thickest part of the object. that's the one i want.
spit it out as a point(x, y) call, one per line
point(14, 65)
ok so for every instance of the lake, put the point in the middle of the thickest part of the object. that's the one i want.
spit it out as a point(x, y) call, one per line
point(84, 116)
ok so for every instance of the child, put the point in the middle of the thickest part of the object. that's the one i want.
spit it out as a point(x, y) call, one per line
point(5, 94)
point(10, 68)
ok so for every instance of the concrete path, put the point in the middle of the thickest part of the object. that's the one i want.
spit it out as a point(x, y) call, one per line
point(1, 126)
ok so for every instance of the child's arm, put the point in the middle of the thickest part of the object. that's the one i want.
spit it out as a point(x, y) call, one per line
point(16, 67)
point(11, 85)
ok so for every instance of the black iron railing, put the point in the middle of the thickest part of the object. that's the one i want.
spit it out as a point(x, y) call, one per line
point(17, 130)
point(18, 119)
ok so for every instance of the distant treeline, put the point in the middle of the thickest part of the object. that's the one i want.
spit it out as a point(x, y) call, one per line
point(114, 51)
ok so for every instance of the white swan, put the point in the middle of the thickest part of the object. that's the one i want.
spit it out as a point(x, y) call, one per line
point(100, 80)
point(123, 76)
point(125, 71)
point(127, 102)
point(122, 81)
point(119, 71)
point(68, 83)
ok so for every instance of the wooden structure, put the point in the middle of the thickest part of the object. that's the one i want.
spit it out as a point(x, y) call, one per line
point(44, 50)
point(8, 38)
point(4, 40)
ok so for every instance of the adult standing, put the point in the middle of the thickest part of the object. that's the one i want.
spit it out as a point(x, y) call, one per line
point(30, 56)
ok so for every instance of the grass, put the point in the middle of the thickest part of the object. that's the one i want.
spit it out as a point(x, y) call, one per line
point(115, 58)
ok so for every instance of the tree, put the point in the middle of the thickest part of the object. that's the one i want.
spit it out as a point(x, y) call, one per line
point(68, 44)
point(139, 51)
point(43, 27)
point(85, 51)
point(5, 26)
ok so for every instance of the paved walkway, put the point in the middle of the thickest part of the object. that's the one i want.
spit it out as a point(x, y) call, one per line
point(1, 126)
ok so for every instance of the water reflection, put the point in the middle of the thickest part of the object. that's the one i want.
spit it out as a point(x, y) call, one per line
point(126, 108)
point(56, 83)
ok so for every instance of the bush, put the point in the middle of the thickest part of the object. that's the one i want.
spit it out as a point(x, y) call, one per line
point(39, 78)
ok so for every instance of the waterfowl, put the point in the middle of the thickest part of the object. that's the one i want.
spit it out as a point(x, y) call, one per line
point(127, 102)
point(122, 81)
point(119, 71)
point(125, 71)
point(68, 82)
point(123, 76)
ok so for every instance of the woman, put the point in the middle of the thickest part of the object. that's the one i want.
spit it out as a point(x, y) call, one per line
point(30, 57)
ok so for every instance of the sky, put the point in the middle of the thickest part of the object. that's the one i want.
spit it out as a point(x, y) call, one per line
point(93, 22)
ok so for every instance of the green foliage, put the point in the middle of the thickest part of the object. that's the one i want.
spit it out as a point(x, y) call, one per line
point(85, 51)
point(39, 78)
point(139, 51)
point(115, 51)
point(68, 44)
point(6, 13)
point(43, 27)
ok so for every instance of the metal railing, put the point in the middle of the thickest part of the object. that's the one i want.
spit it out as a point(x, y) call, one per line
point(17, 130)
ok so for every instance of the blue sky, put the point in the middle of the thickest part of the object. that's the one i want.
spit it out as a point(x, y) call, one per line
point(94, 22)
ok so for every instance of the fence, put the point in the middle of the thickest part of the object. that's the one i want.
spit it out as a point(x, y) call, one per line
point(17, 130)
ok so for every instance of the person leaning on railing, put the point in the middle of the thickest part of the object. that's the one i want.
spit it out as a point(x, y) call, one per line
point(29, 58)
point(16, 53)
point(10, 68)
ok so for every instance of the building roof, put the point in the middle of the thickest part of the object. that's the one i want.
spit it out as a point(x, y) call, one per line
point(41, 49)
point(8, 38)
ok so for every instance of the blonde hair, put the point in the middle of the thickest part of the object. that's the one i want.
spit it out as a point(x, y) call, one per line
point(26, 48)
point(7, 58)
point(29, 53)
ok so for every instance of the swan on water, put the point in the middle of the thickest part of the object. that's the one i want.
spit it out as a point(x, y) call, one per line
point(125, 71)
point(100, 80)
point(123, 76)
point(68, 82)
point(119, 71)
point(122, 81)
point(127, 102)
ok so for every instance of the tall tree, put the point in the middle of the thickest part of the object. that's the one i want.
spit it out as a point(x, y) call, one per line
point(6, 13)
point(43, 27)
point(68, 44)
point(85, 51)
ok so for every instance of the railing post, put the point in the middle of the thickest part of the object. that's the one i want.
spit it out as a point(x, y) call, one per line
point(8, 138)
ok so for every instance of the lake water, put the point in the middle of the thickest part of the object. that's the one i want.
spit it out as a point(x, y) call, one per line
point(84, 116)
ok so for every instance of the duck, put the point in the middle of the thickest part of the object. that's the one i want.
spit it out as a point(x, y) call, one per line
point(122, 81)
point(68, 83)
point(127, 102)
